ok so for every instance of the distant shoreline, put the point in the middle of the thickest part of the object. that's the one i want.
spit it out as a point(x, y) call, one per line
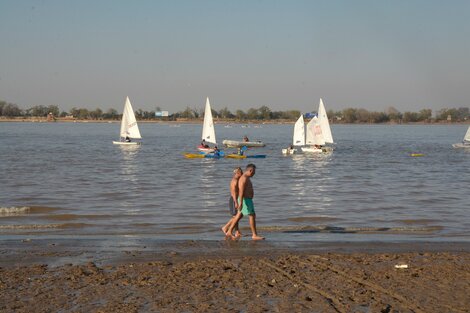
point(216, 121)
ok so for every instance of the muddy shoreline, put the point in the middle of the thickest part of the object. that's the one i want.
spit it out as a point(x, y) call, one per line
point(67, 275)
point(110, 251)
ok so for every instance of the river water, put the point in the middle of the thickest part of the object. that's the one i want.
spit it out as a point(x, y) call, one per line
point(67, 180)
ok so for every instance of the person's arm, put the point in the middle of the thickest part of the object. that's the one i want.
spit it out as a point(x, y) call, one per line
point(241, 190)
point(233, 192)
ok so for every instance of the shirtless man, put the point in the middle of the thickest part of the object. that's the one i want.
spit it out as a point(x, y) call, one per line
point(233, 203)
point(245, 200)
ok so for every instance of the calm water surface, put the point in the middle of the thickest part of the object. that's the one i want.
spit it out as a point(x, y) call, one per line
point(69, 180)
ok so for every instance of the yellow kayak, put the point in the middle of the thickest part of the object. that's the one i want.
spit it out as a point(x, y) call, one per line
point(417, 154)
point(193, 155)
point(235, 156)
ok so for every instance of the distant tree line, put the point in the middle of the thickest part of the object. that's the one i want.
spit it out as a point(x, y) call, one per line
point(263, 113)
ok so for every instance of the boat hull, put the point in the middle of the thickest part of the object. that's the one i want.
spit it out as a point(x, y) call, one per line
point(125, 143)
point(202, 155)
point(194, 155)
point(311, 150)
point(237, 156)
point(289, 151)
point(205, 150)
point(228, 156)
point(317, 150)
point(239, 144)
point(461, 145)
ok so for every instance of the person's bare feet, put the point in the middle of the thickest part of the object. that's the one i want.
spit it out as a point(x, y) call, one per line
point(238, 234)
point(235, 238)
point(257, 237)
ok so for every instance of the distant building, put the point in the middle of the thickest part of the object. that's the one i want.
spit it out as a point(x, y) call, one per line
point(161, 114)
point(449, 118)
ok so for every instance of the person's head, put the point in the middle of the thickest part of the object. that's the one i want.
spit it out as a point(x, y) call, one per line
point(237, 172)
point(250, 170)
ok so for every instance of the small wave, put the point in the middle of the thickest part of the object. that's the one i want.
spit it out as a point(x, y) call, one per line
point(70, 217)
point(301, 219)
point(143, 225)
point(42, 226)
point(358, 230)
point(41, 209)
point(396, 230)
point(416, 221)
point(13, 211)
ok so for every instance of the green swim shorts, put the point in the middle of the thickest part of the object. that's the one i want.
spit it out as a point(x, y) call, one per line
point(248, 207)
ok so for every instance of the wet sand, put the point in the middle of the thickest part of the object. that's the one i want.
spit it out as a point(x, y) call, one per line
point(198, 276)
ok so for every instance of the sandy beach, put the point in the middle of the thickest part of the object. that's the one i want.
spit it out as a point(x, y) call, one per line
point(191, 276)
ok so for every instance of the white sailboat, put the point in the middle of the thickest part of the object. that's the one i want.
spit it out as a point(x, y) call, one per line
point(324, 123)
point(298, 138)
point(314, 139)
point(318, 132)
point(465, 142)
point(208, 130)
point(129, 128)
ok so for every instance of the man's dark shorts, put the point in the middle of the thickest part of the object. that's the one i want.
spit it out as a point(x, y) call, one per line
point(231, 205)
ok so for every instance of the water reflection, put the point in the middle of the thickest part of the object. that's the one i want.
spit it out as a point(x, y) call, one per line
point(311, 176)
point(129, 176)
point(310, 170)
point(129, 164)
point(208, 185)
point(299, 172)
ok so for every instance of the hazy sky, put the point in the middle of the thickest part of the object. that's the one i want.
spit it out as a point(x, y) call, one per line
point(283, 54)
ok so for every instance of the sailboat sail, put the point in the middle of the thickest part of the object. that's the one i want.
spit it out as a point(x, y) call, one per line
point(467, 135)
point(314, 133)
point(208, 130)
point(298, 138)
point(129, 127)
point(324, 124)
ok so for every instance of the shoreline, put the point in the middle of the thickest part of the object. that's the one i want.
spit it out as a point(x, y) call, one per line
point(216, 121)
point(246, 276)
point(106, 251)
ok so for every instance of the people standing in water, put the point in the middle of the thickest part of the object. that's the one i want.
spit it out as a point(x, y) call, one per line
point(245, 201)
point(233, 203)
